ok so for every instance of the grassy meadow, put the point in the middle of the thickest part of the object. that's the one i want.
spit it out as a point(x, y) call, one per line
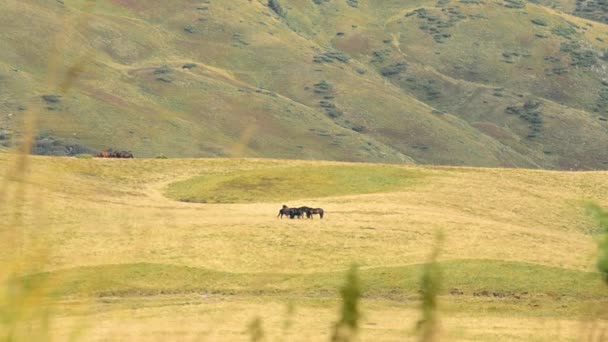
point(95, 250)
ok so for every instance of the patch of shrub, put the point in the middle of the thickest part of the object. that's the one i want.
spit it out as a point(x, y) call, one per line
point(569, 46)
point(275, 6)
point(165, 69)
point(163, 74)
point(564, 31)
point(579, 56)
point(165, 79)
point(426, 88)
point(331, 109)
point(359, 128)
point(510, 56)
point(592, 9)
point(331, 56)
point(393, 69)
point(323, 88)
point(44, 144)
point(602, 100)
point(437, 24)
point(380, 56)
point(189, 29)
point(539, 22)
point(189, 66)
point(516, 4)
point(239, 39)
point(353, 3)
point(51, 99)
point(530, 112)
point(585, 58)
point(558, 70)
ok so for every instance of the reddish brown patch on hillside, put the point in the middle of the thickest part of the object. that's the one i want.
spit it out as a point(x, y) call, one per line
point(112, 100)
point(104, 97)
point(492, 130)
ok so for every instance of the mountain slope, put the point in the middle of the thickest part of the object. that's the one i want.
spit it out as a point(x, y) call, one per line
point(448, 82)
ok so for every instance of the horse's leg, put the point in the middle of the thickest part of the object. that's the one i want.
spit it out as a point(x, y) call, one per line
point(321, 214)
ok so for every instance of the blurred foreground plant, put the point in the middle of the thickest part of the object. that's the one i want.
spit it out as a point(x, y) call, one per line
point(601, 217)
point(430, 285)
point(346, 328)
point(26, 303)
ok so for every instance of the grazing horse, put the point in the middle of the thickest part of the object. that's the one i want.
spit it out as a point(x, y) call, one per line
point(284, 211)
point(115, 154)
point(318, 211)
point(296, 212)
point(306, 210)
point(291, 212)
point(125, 154)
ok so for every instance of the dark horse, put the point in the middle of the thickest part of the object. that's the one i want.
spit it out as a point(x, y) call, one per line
point(291, 212)
point(283, 211)
point(115, 154)
point(306, 210)
point(317, 211)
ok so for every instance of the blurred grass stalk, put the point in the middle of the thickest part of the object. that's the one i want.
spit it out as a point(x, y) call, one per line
point(601, 216)
point(26, 302)
point(345, 330)
point(595, 328)
point(428, 325)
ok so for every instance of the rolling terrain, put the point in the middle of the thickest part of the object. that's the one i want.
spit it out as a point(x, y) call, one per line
point(103, 249)
point(470, 82)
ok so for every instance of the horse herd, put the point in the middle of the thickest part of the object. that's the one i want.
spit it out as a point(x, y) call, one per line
point(114, 154)
point(300, 212)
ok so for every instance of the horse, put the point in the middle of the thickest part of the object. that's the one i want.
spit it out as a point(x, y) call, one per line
point(125, 154)
point(284, 211)
point(291, 212)
point(318, 211)
point(306, 210)
point(104, 154)
point(118, 154)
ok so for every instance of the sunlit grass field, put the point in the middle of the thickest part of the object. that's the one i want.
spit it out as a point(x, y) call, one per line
point(108, 252)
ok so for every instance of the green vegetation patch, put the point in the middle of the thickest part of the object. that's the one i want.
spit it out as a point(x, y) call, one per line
point(510, 285)
point(282, 184)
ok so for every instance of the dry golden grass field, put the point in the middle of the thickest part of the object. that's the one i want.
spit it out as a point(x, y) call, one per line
point(98, 250)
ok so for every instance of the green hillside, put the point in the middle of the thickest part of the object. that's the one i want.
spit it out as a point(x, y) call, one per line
point(469, 82)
